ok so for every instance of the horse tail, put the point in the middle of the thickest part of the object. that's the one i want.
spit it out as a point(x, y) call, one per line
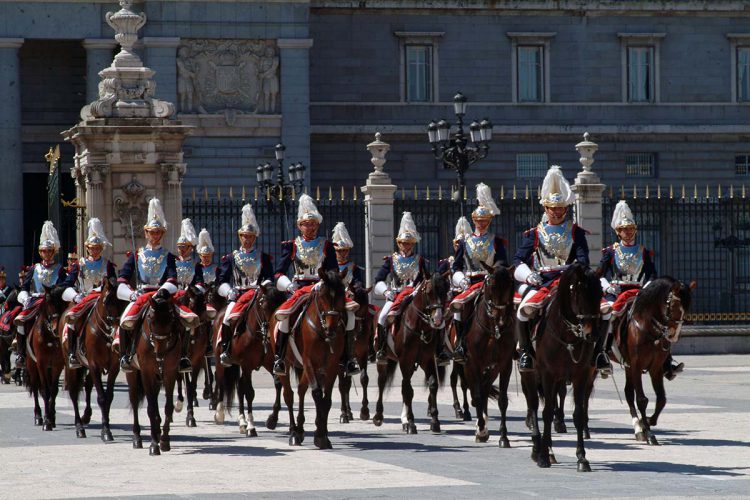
point(140, 393)
point(230, 380)
point(494, 393)
point(390, 372)
point(441, 375)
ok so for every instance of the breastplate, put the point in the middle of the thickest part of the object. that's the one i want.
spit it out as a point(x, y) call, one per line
point(185, 272)
point(246, 268)
point(478, 249)
point(209, 274)
point(555, 244)
point(91, 274)
point(308, 258)
point(349, 274)
point(151, 265)
point(45, 276)
point(628, 263)
point(405, 269)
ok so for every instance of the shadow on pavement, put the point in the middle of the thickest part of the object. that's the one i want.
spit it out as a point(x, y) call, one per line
point(688, 469)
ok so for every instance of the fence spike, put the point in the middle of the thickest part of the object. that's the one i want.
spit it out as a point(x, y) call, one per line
point(294, 193)
point(526, 192)
point(658, 191)
point(719, 192)
point(317, 193)
point(708, 195)
point(416, 196)
point(682, 195)
point(647, 191)
point(268, 194)
point(622, 191)
point(635, 192)
point(743, 191)
point(354, 193)
point(342, 193)
point(255, 193)
point(231, 193)
point(330, 193)
point(193, 194)
point(403, 195)
point(502, 192)
point(440, 192)
point(611, 192)
point(465, 194)
point(244, 193)
point(731, 191)
point(218, 193)
point(514, 191)
point(427, 193)
point(671, 192)
point(281, 194)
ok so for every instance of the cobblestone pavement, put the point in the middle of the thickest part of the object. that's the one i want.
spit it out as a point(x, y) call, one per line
point(704, 450)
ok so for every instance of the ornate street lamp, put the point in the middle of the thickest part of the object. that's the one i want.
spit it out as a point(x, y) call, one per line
point(283, 190)
point(457, 153)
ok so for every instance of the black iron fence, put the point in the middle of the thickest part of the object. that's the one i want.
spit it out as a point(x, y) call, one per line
point(221, 215)
point(696, 235)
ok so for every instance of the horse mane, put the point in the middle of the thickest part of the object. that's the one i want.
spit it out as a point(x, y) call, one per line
point(274, 297)
point(361, 296)
point(440, 285)
point(502, 275)
point(585, 277)
point(55, 296)
point(333, 281)
point(656, 293)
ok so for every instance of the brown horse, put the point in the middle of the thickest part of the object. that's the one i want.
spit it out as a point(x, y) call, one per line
point(565, 340)
point(490, 344)
point(44, 359)
point(251, 350)
point(157, 357)
point(6, 338)
point(364, 333)
point(419, 329)
point(320, 343)
point(644, 341)
point(198, 338)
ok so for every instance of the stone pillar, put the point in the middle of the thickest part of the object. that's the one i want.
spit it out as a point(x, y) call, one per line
point(11, 187)
point(295, 98)
point(379, 192)
point(161, 56)
point(172, 174)
point(588, 190)
point(94, 176)
point(99, 52)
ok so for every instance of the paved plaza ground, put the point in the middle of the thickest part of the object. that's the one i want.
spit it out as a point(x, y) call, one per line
point(704, 452)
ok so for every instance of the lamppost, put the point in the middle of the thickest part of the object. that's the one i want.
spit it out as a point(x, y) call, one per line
point(281, 191)
point(456, 153)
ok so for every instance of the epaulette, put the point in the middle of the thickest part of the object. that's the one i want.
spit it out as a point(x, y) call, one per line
point(386, 257)
point(224, 258)
point(528, 231)
point(128, 254)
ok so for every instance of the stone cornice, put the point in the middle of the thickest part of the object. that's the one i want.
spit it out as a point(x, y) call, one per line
point(294, 43)
point(99, 43)
point(11, 43)
point(160, 42)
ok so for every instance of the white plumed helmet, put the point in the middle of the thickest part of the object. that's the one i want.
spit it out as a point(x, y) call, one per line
point(156, 219)
point(249, 222)
point(341, 238)
point(48, 238)
point(407, 231)
point(487, 208)
point(187, 233)
point(96, 233)
point(307, 209)
point(623, 217)
point(463, 229)
point(205, 245)
point(556, 191)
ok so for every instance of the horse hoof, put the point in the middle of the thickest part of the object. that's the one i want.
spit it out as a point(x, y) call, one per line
point(652, 440)
point(195, 403)
point(106, 435)
point(534, 456)
point(243, 429)
point(344, 418)
point(154, 450)
point(350, 415)
point(219, 416)
point(639, 436)
point(211, 406)
point(294, 440)
point(301, 436)
point(271, 422)
point(190, 422)
point(459, 413)
point(467, 416)
point(583, 466)
point(481, 438)
point(252, 433)
point(178, 406)
point(81, 433)
point(560, 427)
point(165, 445)
point(86, 417)
point(529, 424)
point(411, 429)
point(543, 462)
point(504, 443)
point(586, 433)
point(47, 426)
point(377, 420)
point(206, 393)
point(323, 443)
point(364, 415)
point(651, 422)
point(137, 443)
point(38, 421)
point(434, 427)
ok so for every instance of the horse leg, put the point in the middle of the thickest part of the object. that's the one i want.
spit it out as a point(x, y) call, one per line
point(479, 396)
point(300, 426)
point(250, 395)
point(550, 392)
point(502, 404)
point(208, 377)
point(432, 385)
point(135, 388)
point(559, 419)
point(169, 408)
point(152, 401)
point(580, 389)
point(88, 385)
point(642, 401)
point(289, 401)
point(319, 436)
point(407, 394)
point(454, 384)
point(47, 400)
point(38, 419)
point(191, 382)
point(180, 396)
point(630, 398)
point(364, 381)
point(74, 389)
point(464, 390)
point(273, 418)
point(529, 386)
point(382, 378)
point(657, 381)
point(345, 385)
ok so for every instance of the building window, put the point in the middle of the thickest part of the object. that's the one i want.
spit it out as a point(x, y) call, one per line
point(418, 73)
point(742, 164)
point(640, 74)
point(531, 165)
point(743, 74)
point(530, 73)
point(640, 165)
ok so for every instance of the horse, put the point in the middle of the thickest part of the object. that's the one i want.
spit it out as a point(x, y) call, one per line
point(418, 331)
point(565, 339)
point(320, 344)
point(653, 325)
point(490, 344)
point(251, 350)
point(364, 333)
point(44, 359)
point(198, 337)
point(156, 359)
point(6, 336)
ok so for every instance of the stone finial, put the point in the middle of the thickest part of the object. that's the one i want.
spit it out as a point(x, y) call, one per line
point(586, 149)
point(378, 149)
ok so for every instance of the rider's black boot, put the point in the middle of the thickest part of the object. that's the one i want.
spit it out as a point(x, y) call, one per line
point(523, 330)
point(442, 358)
point(126, 349)
point(350, 364)
point(603, 365)
point(671, 369)
point(459, 353)
point(185, 366)
point(381, 356)
point(279, 366)
point(20, 350)
point(226, 346)
point(73, 362)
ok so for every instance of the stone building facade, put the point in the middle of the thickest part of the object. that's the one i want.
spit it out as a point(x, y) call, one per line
point(663, 86)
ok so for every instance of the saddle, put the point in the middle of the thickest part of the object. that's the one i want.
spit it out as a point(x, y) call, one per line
point(395, 316)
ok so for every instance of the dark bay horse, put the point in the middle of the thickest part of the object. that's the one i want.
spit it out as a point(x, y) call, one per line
point(157, 356)
point(44, 360)
point(644, 341)
point(419, 329)
point(320, 343)
point(565, 340)
point(364, 333)
point(251, 350)
point(198, 337)
point(490, 344)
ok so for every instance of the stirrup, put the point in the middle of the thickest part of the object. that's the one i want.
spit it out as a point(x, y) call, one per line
point(381, 357)
point(525, 363)
point(603, 364)
point(185, 366)
point(279, 367)
point(351, 368)
point(126, 364)
point(73, 362)
point(459, 356)
point(225, 359)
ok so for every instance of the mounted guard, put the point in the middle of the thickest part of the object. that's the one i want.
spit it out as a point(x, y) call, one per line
point(87, 276)
point(463, 229)
point(308, 253)
point(154, 270)
point(206, 254)
point(477, 248)
point(238, 278)
point(46, 273)
point(343, 244)
point(545, 252)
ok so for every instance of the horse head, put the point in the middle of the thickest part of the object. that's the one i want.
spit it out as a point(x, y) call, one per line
point(52, 307)
point(498, 292)
point(435, 292)
point(330, 299)
point(269, 299)
point(160, 318)
point(195, 300)
point(580, 294)
point(665, 301)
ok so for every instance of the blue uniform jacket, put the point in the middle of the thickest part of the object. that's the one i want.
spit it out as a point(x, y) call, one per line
point(62, 279)
point(387, 268)
point(608, 269)
point(501, 255)
point(127, 272)
point(76, 270)
point(578, 253)
point(225, 270)
point(289, 249)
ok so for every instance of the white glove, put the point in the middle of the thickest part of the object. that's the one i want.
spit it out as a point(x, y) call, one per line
point(232, 295)
point(465, 283)
point(613, 290)
point(534, 279)
point(390, 295)
point(78, 298)
point(292, 287)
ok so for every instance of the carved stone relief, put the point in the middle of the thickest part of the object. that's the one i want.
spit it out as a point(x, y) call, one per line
point(228, 77)
point(133, 208)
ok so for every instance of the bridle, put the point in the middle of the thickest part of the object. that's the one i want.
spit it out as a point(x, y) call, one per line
point(489, 308)
point(576, 327)
point(663, 327)
point(424, 315)
point(328, 333)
